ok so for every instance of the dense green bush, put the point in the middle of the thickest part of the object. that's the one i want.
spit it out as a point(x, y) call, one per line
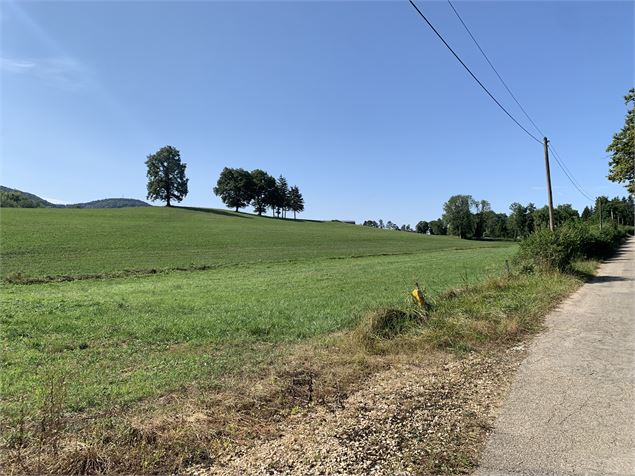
point(545, 250)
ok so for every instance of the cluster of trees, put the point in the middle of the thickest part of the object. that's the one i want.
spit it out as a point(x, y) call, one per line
point(618, 210)
point(466, 217)
point(386, 226)
point(238, 188)
point(433, 227)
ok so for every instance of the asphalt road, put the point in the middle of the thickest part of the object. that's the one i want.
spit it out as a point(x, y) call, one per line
point(571, 409)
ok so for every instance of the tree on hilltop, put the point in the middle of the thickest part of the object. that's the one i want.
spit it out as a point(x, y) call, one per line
point(166, 176)
point(235, 187)
point(457, 213)
point(422, 227)
point(278, 197)
point(295, 201)
point(438, 227)
point(264, 190)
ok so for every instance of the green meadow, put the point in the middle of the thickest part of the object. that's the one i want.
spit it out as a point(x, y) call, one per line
point(51, 242)
point(269, 283)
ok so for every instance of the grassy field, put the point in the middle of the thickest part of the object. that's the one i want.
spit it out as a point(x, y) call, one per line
point(128, 338)
point(123, 339)
point(271, 285)
point(42, 242)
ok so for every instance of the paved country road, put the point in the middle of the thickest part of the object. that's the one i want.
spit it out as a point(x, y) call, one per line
point(571, 409)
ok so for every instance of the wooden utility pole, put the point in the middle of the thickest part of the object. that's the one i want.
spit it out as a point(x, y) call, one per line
point(549, 184)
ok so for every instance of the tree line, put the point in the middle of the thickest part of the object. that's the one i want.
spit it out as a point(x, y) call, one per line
point(236, 187)
point(465, 217)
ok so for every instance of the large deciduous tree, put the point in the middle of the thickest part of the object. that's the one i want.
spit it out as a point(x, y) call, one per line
point(235, 187)
point(438, 227)
point(495, 225)
point(422, 227)
point(264, 190)
point(521, 221)
point(622, 149)
point(565, 212)
point(457, 213)
point(166, 176)
point(483, 208)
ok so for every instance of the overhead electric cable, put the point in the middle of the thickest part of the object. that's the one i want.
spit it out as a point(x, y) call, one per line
point(559, 160)
point(494, 69)
point(472, 74)
point(568, 173)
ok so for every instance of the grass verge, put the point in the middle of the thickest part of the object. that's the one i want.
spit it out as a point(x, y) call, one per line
point(197, 425)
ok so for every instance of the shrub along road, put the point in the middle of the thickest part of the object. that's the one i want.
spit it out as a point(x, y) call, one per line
point(570, 410)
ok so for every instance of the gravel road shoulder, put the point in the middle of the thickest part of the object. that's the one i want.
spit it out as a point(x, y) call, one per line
point(412, 419)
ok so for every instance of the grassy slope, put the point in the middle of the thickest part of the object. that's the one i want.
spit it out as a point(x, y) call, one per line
point(38, 242)
point(122, 339)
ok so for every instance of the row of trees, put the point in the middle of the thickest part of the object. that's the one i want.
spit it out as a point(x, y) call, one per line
point(386, 226)
point(238, 188)
point(466, 217)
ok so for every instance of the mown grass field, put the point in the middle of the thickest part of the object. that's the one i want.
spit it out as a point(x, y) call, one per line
point(51, 242)
point(122, 339)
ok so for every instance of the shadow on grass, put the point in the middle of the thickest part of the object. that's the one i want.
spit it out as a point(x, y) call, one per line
point(291, 219)
point(229, 213)
point(509, 240)
point(215, 211)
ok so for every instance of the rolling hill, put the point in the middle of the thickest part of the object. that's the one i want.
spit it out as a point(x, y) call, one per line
point(33, 201)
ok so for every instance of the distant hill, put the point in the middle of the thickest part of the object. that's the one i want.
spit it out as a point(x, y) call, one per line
point(13, 198)
point(111, 203)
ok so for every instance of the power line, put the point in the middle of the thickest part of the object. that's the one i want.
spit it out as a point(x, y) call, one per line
point(494, 69)
point(569, 174)
point(472, 74)
point(559, 160)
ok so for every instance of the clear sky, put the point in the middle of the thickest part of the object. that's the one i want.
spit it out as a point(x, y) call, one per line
point(358, 103)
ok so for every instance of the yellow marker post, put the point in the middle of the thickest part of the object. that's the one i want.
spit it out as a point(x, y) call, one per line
point(417, 296)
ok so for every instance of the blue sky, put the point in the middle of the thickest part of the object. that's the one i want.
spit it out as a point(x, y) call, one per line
point(358, 103)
